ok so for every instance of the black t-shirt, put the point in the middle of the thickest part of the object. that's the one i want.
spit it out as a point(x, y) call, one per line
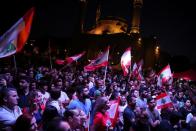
point(129, 119)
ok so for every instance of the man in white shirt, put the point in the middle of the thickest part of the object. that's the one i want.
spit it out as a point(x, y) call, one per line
point(91, 82)
point(63, 99)
point(9, 110)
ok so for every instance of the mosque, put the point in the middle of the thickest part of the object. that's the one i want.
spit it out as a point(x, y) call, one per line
point(120, 34)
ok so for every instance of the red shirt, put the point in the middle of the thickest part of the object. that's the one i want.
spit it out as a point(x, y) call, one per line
point(101, 120)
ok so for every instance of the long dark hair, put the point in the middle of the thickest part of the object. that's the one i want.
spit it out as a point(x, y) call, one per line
point(100, 104)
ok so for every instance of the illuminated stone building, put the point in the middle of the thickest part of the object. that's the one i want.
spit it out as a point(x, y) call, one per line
point(120, 33)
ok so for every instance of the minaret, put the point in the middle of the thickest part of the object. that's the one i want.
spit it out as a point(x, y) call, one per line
point(83, 4)
point(135, 24)
point(98, 13)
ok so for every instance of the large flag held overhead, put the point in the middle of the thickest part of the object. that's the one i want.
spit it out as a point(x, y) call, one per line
point(165, 76)
point(163, 101)
point(100, 61)
point(14, 39)
point(126, 61)
point(74, 58)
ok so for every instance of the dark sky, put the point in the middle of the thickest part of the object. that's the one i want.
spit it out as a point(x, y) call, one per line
point(172, 21)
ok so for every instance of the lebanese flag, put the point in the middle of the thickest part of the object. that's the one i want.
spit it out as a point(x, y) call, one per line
point(135, 69)
point(126, 61)
point(136, 72)
point(15, 38)
point(163, 101)
point(165, 75)
point(139, 65)
point(113, 111)
point(140, 76)
point(69, 60)
point(100, 61)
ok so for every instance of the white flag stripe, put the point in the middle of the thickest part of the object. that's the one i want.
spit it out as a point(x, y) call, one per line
point(126, 61)
point(76, 57)
point(112, 110)
point(126, 58)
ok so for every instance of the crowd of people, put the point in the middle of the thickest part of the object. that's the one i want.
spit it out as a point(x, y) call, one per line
point(70, 99)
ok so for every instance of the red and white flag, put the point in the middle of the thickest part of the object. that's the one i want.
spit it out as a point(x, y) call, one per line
point(163, 101)
point(100, 61)
point(139, 65)
point(69, 60)
point(113, 111)
point(135, 69)
point(165, 76)
point(126, 61)
point(136, 72)
point(15, 38)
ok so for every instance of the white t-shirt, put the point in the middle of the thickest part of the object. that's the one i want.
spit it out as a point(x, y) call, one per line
point(90, 85)
point(8, 117)
point(58, 106)
point(63, 97)
point(45, 97)
point(189, 117)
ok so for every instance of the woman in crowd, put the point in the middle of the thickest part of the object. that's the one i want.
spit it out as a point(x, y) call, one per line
point(101, 119)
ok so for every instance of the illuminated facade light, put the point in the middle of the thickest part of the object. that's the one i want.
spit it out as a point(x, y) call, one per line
point(157, 50)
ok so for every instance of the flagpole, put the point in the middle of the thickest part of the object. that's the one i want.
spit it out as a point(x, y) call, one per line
point(129, 77)
point(15, 65)
point(105, 74)
point(50, 54)
point(106, 68)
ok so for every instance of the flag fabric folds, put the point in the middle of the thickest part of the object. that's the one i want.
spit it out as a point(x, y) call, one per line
point(126, 61)
point(113, 111)
point(165, 76)
point(134, 69)
point(163, 101)
point(137, 71)
point(14, 39)
point(100, 61)
point(69, 60)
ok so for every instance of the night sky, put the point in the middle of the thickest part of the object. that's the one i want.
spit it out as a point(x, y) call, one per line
point(172, 21)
